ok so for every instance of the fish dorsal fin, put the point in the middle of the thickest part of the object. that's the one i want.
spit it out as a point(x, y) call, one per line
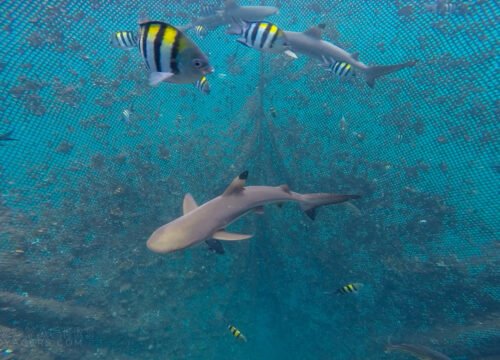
point(227, 236)
point(231, 4)
point(237, 185)
point(285, 188)
point(189, 204)
point(355, 56)
point(315, 32)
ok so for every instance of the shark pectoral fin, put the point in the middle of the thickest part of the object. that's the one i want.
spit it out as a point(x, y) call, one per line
point(242, 42)
point(189, 204)
point(355, 56)
point(157, 77)
point(291, 54)
point(227, 236)
point(237, 185)
point(259, 210)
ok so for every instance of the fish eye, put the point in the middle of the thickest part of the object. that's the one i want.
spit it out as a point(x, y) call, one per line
point(197, 63)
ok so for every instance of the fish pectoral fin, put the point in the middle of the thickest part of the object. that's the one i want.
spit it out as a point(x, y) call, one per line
point(285, 188)
point(157, 77)
point(259, 210)
point(237, 185)
point(189, 204)
point(291, 54)
point(227, 236)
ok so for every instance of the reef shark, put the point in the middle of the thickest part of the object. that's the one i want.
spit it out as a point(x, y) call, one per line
point(230, 13)
point(199, 223)
point(310, 43)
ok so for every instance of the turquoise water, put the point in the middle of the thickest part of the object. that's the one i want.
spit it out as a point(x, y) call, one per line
point(82, 190)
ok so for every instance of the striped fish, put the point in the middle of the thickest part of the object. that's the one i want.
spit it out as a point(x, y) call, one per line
point(236, 333)
point(350, 288)
point(200, 31)
point(170, 55)
point(203, 85)
point(126, 40)
point(261, 35)
point(342, 69)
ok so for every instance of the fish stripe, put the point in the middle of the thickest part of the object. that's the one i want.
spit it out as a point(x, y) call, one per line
point(247, 31)
point(351, 289)
point(144, 44)
point(254, 34)
point(175, 52)
point(157, 49)
point(265, 37)
point(273, 40)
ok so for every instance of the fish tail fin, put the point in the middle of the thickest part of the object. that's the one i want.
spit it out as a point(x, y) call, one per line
point(310, 202)
point(374, 72)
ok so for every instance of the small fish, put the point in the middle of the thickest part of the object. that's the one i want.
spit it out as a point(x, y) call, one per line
point(170, 55)
point(203, 85)
point(342, 69)
point(126, 40)
point(272, 110)
point(350, 288)
point(200, 31)
point(126, 114)
point(236, 333)
point(7, 354)
point(261, 35)
point(208, 10)
point(6, 137)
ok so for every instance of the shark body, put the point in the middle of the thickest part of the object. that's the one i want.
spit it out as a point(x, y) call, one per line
point(209, 220)
point(311, 44)
point(230, 13)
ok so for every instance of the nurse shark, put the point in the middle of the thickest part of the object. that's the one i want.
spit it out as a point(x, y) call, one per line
point(199, 223)
point(311, 44)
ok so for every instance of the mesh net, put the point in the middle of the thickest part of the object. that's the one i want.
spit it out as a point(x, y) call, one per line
point(82, 190)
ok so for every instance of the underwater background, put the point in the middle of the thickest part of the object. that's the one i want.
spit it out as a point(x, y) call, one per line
point(82, 189)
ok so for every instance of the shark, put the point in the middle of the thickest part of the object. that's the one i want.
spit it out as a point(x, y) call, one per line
point(230, 13)
point(209, 221)
point(310, 43)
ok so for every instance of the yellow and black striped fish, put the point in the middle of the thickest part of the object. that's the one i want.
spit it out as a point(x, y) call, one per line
point(126, 40)
point(261, 35)
point(341, 69)
point(203, 85)
point(170, 55)
point(200, 31)
point(350, 288)
point(236, 333)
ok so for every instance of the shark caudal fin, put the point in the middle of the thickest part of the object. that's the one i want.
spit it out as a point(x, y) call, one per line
point(374, 72)
point(310, 202)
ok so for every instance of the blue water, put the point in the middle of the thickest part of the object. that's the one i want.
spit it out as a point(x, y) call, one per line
point(82, 190)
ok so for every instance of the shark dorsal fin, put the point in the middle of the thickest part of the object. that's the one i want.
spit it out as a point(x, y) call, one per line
point(224, 235)
point(231, 4)
point(285, 188)
point(315, 32)
point(237, 184)
point(355, 56)
point(189, 204)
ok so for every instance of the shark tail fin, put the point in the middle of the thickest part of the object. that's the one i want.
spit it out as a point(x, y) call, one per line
point(374, 72)
point(310, 202)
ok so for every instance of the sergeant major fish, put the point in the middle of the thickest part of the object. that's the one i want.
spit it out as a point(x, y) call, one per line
point(349, 288)
point(342, 69)
point(310, 43)
point(236, 333)
point(170, 55)
point(203, 85)
point(126, 40)
point(209, 220)
point(261, 35)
